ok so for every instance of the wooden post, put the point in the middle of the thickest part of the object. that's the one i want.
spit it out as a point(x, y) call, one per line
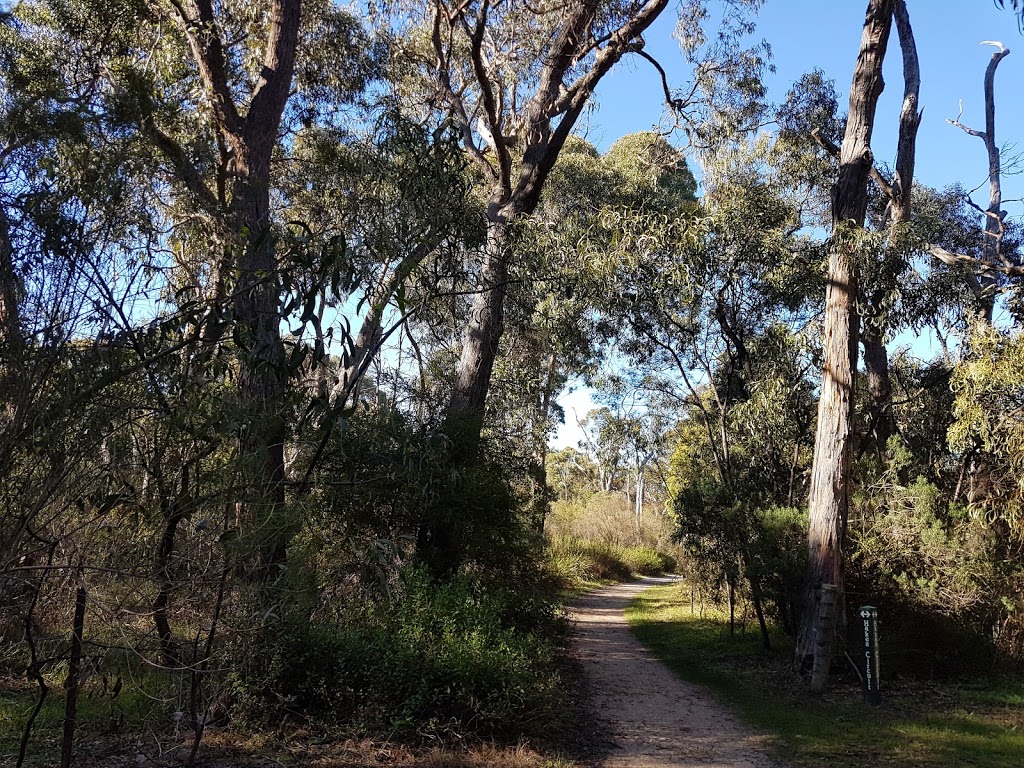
point(67, 748)
point(824, 634)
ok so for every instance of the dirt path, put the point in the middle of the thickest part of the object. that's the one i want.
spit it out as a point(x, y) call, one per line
point(648, 717)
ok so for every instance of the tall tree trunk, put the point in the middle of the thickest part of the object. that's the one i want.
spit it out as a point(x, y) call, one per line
point(994, 213)
point(545, 123)
point(174, 511)
point(876, 364)
point(246, 145)
point(876, 357)
point(563, 86)
point(262, 377)
point(830, 473)
point(437, 542)
point(10, 315)
point(483, 333)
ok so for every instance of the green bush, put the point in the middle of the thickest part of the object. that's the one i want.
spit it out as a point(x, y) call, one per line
point(453, 658)
point(576, 562)
point(646, 562)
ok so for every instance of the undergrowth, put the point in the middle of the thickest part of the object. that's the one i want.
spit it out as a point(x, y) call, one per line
point(578, 562)
point(973, 721)
point(434, 660)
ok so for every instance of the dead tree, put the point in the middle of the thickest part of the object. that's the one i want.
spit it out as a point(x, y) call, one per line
point(994, 215)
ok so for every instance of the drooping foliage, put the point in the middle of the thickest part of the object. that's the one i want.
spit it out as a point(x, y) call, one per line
point(257, 261)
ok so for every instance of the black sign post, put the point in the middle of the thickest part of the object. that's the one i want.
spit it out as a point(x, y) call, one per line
point(872, 683)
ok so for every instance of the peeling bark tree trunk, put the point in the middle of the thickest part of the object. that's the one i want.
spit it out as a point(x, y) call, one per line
point(876, 357)
point(830, 474)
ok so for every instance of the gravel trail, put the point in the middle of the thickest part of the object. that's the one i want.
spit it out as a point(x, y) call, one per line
point(647, 717)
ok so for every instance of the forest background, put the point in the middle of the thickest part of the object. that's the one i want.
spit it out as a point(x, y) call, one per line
point(289, 295)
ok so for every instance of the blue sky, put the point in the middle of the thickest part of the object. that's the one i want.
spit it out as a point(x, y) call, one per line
point(805, 34)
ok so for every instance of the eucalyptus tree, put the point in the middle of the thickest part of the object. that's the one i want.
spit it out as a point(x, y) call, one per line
point(556, 327)
point(830, 480)
point(710, 299)
point(528, 97)
point(515, 79)
point(245, 93)
point(65, 213)
point(213, 98)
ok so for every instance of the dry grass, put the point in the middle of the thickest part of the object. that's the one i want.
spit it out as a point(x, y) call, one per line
point(609, 518)
point(227, 749)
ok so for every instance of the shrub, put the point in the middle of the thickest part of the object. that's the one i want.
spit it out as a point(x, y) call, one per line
point(934, 571)
point(577, 561)
point(644, 561)
point(437, 659)
point(610, 518)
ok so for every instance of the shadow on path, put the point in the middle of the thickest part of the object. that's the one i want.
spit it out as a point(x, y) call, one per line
point(646, 716)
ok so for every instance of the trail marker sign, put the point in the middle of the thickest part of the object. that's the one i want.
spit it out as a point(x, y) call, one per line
point(872, 681)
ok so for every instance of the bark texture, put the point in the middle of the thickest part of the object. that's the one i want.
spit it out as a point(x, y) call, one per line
point(830, 474)
point(543, 125)
point(876, 357)
point(10, 316)
point(482, 335)
point(247, 142)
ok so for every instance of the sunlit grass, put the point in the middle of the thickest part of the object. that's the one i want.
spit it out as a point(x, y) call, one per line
point(976, 723)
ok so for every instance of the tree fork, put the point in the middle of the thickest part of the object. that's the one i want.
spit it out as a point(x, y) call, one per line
point(876, 356)
point(247, 143)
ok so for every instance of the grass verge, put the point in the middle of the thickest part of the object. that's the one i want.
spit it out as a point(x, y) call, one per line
point(581, 564)
point(977, 722)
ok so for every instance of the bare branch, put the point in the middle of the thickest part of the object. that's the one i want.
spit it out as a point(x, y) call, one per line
point(675, 104)
point(456, 105)
point(490, 105)
point(956, 122)
point(958, 259)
